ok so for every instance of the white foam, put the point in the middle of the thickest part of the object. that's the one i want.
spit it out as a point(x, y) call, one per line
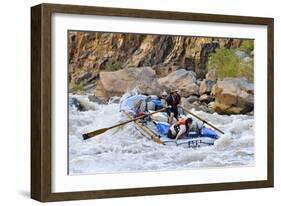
point(125, 149)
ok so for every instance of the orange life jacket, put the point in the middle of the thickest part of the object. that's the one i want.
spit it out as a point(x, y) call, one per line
point(182, 121)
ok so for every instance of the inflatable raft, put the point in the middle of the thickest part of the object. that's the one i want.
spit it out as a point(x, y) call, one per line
point(156, 127)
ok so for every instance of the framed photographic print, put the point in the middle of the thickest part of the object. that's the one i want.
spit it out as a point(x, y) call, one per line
point(132, 102)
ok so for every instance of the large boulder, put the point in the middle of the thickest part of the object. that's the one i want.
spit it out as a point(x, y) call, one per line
point(143, 79)
point(233, 96)
point(162, 70)
point(100, 92)
point(182, 80)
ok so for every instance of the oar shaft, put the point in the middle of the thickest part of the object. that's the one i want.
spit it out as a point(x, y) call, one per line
point(102, 130)
point(140, 117)
point(203, 120)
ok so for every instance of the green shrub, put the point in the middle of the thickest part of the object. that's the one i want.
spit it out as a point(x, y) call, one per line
point(113, 66)
point(247, 46)
point(73, 87)
point(227, 64)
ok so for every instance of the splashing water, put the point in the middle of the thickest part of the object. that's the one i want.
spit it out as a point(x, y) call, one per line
point(126, 149)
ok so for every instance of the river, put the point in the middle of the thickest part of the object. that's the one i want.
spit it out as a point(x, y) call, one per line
point(125, 149)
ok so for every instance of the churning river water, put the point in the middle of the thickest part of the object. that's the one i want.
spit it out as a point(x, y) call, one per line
point(125, 149)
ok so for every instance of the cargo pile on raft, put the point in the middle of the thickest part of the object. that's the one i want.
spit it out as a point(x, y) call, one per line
point(164, 121)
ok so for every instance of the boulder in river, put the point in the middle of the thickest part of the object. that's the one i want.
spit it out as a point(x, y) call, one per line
point(76, 103)
point(116, 83)
point(96, 99)
point(181, 80)
point(233, 96)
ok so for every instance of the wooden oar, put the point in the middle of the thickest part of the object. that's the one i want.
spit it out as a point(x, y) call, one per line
point(204, 121)
point(102, 130)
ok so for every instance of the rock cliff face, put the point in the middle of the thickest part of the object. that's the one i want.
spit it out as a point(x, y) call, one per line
point(94, 52)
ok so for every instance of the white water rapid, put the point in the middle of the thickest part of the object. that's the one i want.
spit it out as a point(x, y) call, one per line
point(125, 149)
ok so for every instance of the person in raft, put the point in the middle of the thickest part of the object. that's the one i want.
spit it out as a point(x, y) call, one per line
point(180, 128)
point(142, 106)
point(173, 100)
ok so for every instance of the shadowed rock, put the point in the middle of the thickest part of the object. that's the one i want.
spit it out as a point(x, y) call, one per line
point(205, 98)
point(76, 103)
point(96, 99)
point(206, 87)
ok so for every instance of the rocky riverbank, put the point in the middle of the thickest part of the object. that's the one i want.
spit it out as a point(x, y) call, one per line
point(104, 65)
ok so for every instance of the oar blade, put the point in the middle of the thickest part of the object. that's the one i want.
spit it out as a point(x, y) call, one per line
point(94, 133)
point(100, 131)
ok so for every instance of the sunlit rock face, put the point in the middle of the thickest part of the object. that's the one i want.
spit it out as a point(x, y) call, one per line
point(95, 51)
point(233, 96)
